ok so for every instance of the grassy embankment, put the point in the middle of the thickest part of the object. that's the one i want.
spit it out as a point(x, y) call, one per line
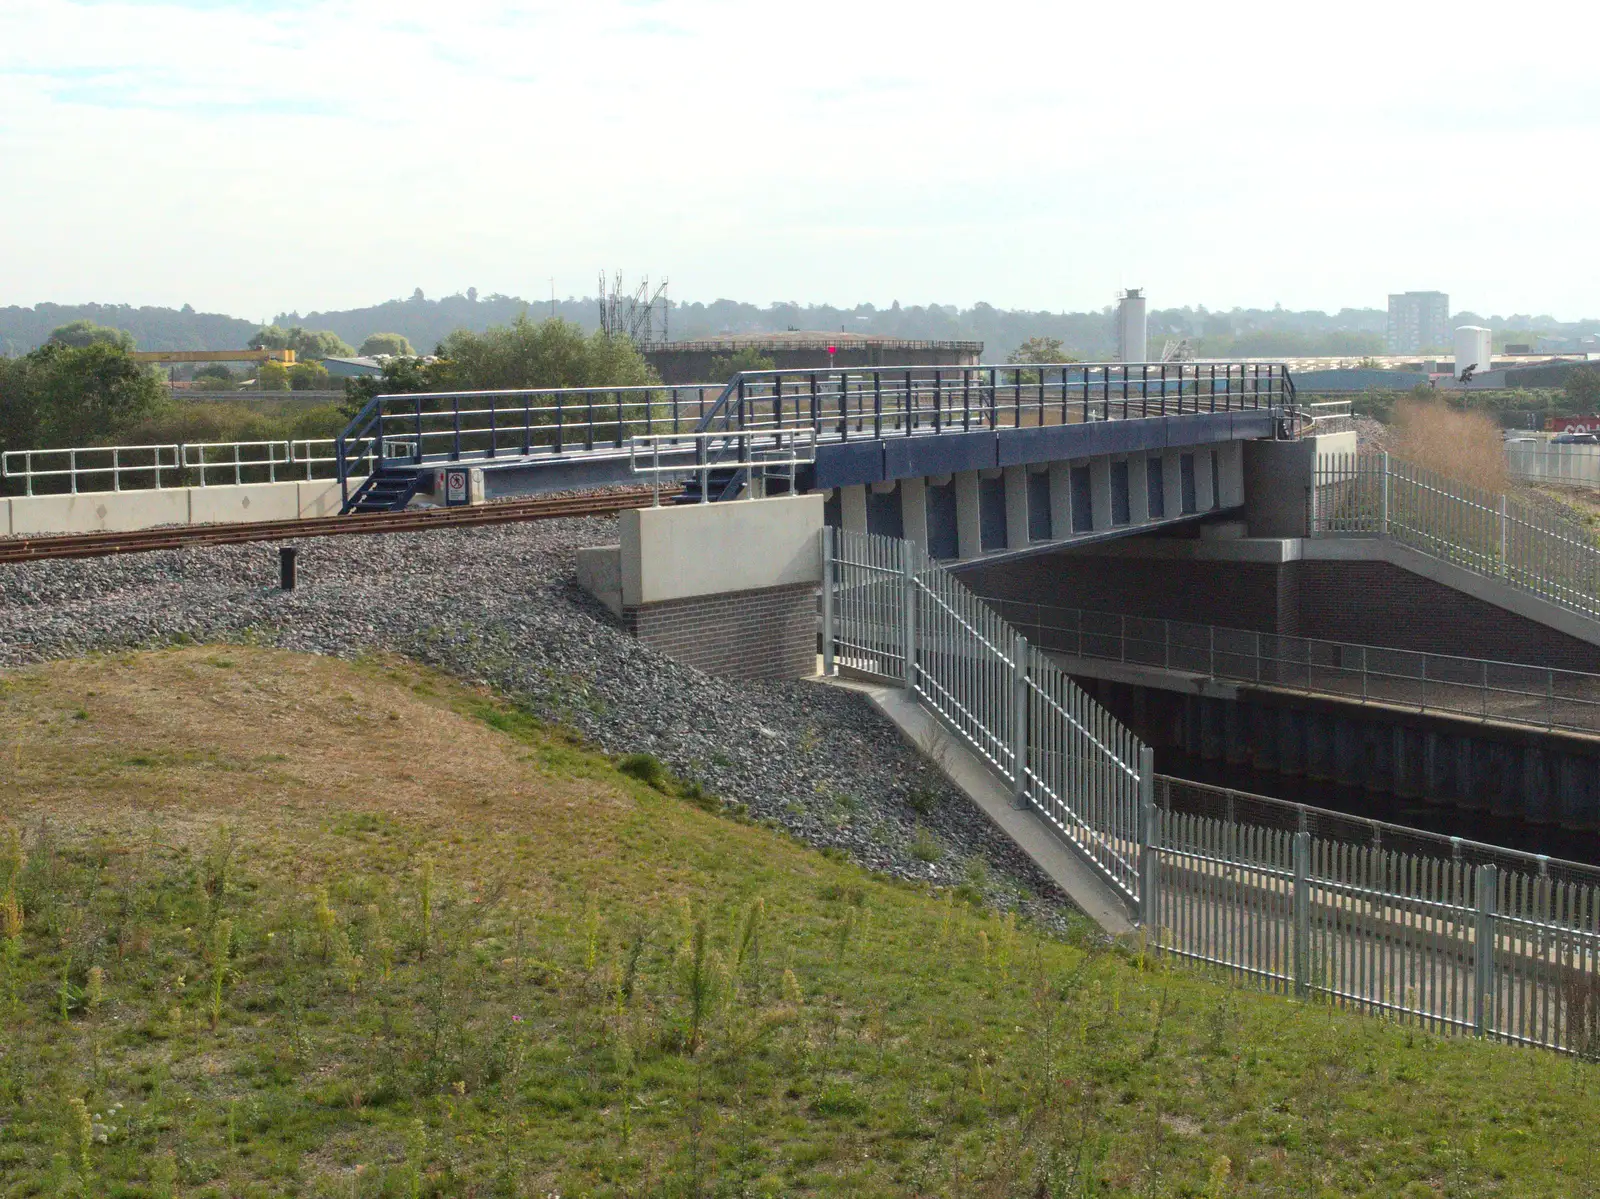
point(288, 925)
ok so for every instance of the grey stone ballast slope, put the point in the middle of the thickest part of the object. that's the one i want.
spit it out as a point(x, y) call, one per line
point(500, 606)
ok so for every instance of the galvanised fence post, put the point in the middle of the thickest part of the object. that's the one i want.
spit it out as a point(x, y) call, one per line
point(1019, 721)
point(1150, 844)
point(1302, 914)
point(1383, 503)
point(908, 614)
point(1504, 570)
point(1488, 882)
point(827, 600)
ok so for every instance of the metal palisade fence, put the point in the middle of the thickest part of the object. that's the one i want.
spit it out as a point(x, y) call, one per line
point(1488, 533)
point(1457, 946)
point(893, 612)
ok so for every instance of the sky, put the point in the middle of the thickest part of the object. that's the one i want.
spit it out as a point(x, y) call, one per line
point(257, 156)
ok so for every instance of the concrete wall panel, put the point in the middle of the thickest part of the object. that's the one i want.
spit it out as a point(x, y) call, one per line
point(99, 512)
point(322, 498)
point(236, 504)
point(712, 549)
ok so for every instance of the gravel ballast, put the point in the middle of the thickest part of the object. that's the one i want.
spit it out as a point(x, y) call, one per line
point(499, 605)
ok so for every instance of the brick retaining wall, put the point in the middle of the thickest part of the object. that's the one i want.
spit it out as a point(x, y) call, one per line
point(1367, 603)
point(1242, 595)
point(766, 634)
point(1377, 603)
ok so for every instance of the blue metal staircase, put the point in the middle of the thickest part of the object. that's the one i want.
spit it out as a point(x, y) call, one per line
point(723, 483)
point(388, 489)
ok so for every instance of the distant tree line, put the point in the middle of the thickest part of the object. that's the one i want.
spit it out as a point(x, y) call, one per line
point(421, 322)
point(83, 387)
point(523, 353)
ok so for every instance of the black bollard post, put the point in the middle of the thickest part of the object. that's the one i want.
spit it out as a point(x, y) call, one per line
point(286, 556)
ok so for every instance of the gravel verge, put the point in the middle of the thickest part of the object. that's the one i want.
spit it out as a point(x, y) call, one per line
point(500, 606)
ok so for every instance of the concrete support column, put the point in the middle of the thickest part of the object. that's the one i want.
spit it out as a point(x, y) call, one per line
point(1100, 492)
point(1060, 500)
point(914, 511)
point(969, 519)
point(1138, 489)
point(1016, 507)
point(1231, 472)
point(853, 508)
point(1202, 479)
point(1172, 482)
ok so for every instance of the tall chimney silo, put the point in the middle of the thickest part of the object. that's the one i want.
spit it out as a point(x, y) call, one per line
point(1131, 326)
point(1472, 348)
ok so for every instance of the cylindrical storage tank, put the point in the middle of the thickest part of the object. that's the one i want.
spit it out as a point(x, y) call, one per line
point(1472, 349)
point(1131, 328)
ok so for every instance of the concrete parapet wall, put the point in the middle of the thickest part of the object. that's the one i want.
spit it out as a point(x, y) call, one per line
point(1277, 476)
point(322, 497)
point(98, 512)
point(244, 502)
point(715, 549)
point(729, 588)
point(126, 511)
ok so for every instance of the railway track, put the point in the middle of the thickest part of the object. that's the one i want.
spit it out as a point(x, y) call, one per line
point(97, 545)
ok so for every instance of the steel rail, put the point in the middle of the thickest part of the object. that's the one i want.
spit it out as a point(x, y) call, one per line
point(95, 545)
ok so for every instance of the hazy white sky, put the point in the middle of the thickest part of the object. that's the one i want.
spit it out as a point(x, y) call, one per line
point(249, 156)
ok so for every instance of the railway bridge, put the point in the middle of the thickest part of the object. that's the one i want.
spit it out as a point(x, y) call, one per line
point(1067, 570)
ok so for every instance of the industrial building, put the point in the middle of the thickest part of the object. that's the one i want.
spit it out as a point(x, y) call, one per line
point(695, 361)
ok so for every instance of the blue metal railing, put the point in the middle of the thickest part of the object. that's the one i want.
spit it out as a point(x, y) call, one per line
point(904, 401)
point(412, 430)
point(417, 429)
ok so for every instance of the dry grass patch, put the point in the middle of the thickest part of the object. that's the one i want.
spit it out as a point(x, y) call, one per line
point(1466, 446)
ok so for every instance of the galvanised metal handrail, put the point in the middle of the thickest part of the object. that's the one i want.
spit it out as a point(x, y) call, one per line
point(180, 464)
point(846, 403)
point(1449, 684)
point(1488, 533)
point(1268, 812)
point(1505, 948)
point(1453, 946)
point(686, 455)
